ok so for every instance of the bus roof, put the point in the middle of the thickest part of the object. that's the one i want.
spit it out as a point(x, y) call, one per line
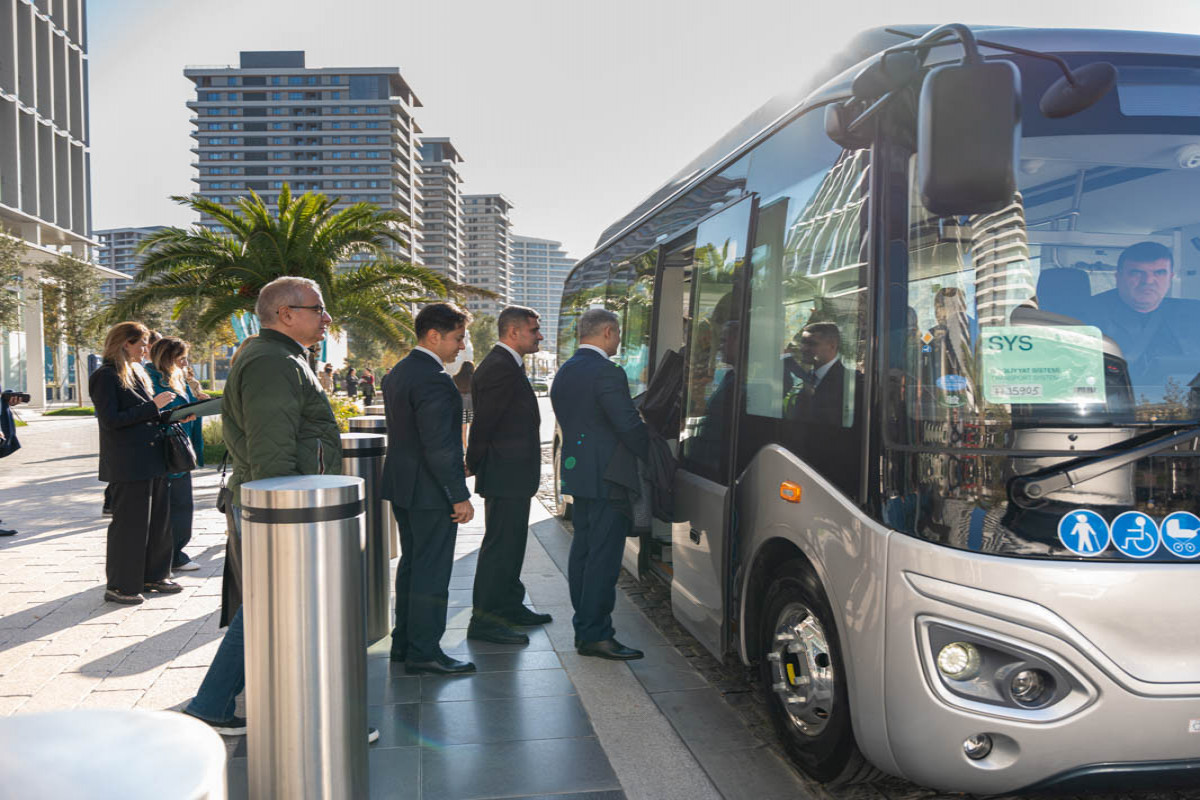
point(834, 80)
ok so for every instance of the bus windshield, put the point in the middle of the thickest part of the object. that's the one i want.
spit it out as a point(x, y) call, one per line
point(1061, 325)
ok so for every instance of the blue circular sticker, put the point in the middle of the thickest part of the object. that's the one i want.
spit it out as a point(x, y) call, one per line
point(1135, 534)
point(1181, 534)
point(1083, 532)
point(952, 383)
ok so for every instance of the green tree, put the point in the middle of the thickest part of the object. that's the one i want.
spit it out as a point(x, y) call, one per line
point(11, 279)
point(483, 335)
point(220, 271)
point(71, 307)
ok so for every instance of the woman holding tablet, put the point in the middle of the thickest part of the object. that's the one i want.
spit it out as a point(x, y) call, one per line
point(133, 463)
point(168, 372)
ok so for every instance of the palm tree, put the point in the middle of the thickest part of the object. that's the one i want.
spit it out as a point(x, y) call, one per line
point(219, 271)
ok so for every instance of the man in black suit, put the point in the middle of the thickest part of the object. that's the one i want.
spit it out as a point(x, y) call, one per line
point(592, 403)
point(424, 479)
point(504, 453)
point(818, 396)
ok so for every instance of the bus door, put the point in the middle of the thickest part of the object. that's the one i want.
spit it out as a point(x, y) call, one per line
point(713, 333)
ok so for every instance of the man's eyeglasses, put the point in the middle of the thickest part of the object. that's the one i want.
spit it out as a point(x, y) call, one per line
point(318, 309)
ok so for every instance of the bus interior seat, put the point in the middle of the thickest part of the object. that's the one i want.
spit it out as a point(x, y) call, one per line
point(1064, 290)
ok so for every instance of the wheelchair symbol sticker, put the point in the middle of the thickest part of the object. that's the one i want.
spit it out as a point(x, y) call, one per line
point(1181, 534)
point(1083, 532)
point(1135, 534)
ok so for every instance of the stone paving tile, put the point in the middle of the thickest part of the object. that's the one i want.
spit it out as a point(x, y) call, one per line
point(172, 688)
point(65, 690)
point(118, 700)
point(32, 674)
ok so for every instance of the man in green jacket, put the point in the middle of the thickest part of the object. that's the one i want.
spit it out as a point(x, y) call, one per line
point(276, 421)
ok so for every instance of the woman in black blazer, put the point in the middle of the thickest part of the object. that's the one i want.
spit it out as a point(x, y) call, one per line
point(133, 462)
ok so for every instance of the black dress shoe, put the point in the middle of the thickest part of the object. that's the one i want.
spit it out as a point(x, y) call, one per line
point(526, 617)
point(610, 649)
point(6, 532)
point(496, 633)
point(442, 665)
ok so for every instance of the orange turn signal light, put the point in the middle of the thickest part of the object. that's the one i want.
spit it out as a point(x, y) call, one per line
point(790, 491)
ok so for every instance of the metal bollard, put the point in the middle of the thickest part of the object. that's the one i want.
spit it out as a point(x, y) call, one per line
point(362, 457)
point(374, 410)
point(377, 423)
point(306, 661)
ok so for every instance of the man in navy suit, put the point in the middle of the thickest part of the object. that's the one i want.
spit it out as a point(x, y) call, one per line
point(505, 454)
point(592, 403)
point(424, 478)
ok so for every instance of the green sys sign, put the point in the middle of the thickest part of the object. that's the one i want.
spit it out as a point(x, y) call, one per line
point(1038, 364)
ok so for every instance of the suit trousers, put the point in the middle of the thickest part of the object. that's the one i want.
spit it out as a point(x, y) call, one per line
point(593, 566)
point(422, 581)
point(182, 504)
point(139, 536)
point(498, 593)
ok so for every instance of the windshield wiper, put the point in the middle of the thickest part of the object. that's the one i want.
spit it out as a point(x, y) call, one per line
point(1030, 490)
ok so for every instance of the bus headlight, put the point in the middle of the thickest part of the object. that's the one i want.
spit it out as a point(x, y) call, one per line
point(978, 668)
point(1030, 687)
point(959, 660)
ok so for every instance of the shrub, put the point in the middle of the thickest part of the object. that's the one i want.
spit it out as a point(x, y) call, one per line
point(343, 409)
point(214, 443)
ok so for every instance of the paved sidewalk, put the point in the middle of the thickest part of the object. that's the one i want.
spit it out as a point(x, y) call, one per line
point(537, 721)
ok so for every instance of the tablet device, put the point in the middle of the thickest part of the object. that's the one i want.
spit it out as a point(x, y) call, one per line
point(201, 408)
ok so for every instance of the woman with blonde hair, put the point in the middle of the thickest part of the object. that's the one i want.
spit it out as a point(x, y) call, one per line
point(168, 373)
point(133, 461)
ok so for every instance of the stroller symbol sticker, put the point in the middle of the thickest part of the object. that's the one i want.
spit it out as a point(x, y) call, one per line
point(1181, 534)
point(1083, 532)
point(1135, 534)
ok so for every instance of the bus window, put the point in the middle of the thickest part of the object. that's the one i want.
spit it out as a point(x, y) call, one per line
point(714, 336)
point(585, 288)
point(807, 306)
point(631, 296)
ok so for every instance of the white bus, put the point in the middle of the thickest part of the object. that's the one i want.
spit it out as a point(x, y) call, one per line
point(939, 320)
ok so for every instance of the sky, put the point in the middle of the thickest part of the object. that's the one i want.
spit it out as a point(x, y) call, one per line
point(576, 111)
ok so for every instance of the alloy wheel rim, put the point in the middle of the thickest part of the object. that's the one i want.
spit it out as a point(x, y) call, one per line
point(802, 674)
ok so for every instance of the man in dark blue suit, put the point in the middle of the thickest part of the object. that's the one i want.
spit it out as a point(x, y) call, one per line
point(505, 453)
point(592, 403)
point(424, 478)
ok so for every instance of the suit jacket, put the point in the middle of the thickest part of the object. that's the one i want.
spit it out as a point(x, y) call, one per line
point(131, 447)
point(591, 401)
point(504, 449)
point(824, 405)
point(424, 464)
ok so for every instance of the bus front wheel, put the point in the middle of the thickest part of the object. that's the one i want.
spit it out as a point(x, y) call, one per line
point(804, 680)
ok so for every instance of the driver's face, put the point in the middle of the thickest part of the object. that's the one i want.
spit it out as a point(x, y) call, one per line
point(1142, 286)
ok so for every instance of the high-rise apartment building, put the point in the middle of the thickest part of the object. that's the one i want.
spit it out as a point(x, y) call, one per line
point(45, 184)
point(346, 131)
point(488, 264)
point(442, 214)
point(539, 269)
point(118, 251)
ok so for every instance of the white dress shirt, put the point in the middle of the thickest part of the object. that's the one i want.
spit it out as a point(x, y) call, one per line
point(597, 349)
point(515, 354)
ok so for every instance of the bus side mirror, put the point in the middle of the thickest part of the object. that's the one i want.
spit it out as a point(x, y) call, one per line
point(969, 123)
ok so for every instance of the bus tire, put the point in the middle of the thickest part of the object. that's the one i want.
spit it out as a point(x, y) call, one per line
point(562, 508)
point(804, 680)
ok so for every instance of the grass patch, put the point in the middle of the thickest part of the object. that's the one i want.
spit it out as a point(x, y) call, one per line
point(74, 411)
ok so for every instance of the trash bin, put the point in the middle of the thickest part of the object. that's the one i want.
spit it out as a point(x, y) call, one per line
point(377, 423)
point(303, 541)
point(362, 457)
point(101, 753)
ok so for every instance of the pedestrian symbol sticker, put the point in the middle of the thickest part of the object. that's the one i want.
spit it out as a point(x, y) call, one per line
point(1083, 532)
point(1181, 534)
point(1135, 534)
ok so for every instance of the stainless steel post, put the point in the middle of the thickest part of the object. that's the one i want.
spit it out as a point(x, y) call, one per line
point(377, 423)
point(362, 457)
point(372, 410)
point(306, 661)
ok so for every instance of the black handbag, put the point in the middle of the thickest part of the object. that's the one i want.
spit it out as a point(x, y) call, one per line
point(181, 456)
point(223, 493)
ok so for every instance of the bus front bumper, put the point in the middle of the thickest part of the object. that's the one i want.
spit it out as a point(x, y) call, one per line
point(1100, 723)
